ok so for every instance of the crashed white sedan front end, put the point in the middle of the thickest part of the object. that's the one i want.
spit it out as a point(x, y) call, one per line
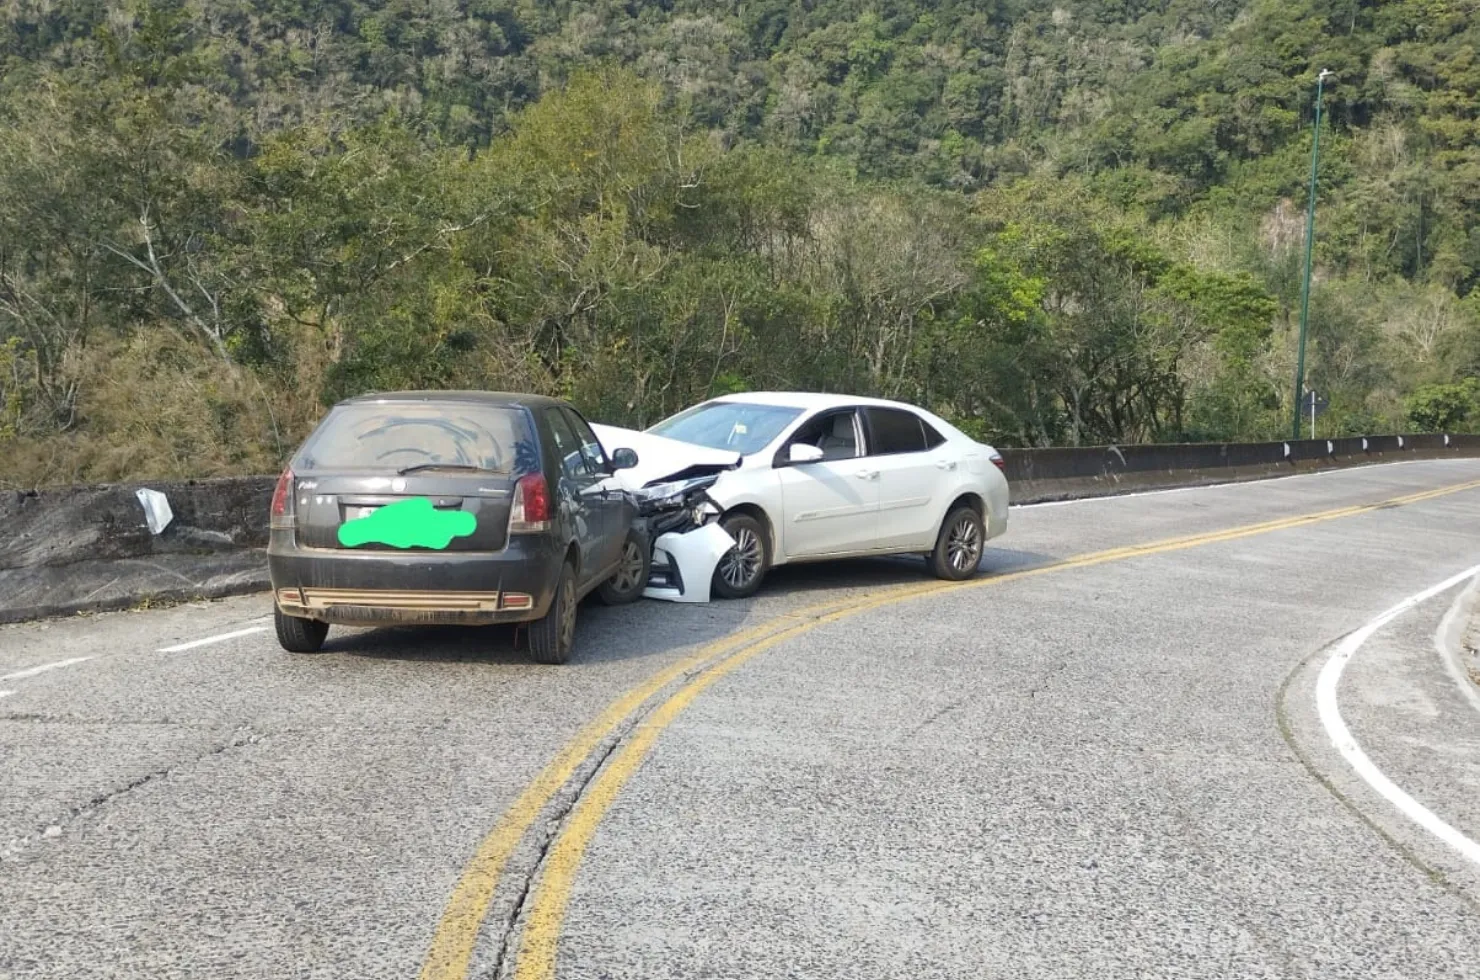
point(669, 484)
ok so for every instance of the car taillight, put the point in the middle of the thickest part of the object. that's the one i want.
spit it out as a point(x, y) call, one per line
point(998, 461)
point(531, 509)
point(281, 512)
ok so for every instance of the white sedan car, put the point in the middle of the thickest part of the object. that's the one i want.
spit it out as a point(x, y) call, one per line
point(829, 476)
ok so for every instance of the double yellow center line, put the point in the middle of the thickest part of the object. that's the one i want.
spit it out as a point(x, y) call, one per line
point(457, 932)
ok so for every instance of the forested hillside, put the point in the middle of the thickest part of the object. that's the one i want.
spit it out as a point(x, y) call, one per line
point(1053, 222)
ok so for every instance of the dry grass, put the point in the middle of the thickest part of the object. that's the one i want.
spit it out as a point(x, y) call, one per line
point(150, 407)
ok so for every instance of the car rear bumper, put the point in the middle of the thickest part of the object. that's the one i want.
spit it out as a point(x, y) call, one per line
point(414, 587)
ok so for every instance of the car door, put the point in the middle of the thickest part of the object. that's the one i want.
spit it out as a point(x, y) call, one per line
point(606, 497)
point(827, 505)
point(579, 493)
point(915, 473)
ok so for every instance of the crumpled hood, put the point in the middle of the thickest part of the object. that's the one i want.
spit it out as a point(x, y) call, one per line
point(660, 458)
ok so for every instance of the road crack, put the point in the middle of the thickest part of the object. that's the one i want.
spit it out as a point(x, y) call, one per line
point(56, 828)
point(1042, 683)
point(552, 828)
point(934, 717)
point(566, 804)
point(44, 718)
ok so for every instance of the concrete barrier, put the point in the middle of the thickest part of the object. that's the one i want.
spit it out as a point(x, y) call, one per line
point(84, 549)
point(1063, 473)
point(79, 549)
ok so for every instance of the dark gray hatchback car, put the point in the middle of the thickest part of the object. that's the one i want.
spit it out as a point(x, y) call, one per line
point(435, 507)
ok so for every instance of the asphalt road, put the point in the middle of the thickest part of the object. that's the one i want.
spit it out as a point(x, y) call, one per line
point(1102, 759)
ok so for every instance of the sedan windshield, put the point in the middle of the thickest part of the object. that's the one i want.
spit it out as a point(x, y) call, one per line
point(741, 427)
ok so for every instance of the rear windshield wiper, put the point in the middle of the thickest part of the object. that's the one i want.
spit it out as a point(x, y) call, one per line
point(468, 467)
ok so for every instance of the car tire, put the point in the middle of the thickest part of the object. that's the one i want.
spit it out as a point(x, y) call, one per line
point(740, 572)
point(552, 638)
point(298, 635)
point(631, 576)
point(958, 547)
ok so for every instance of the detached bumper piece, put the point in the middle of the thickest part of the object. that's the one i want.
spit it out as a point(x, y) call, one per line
point(683, 564)
point(385, 606)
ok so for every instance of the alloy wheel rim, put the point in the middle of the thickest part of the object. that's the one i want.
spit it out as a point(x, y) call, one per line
point(631, 570)
point(743, 562)
point(567, 616)
point(963, 545)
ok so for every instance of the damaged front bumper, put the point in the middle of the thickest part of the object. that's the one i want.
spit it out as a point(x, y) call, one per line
point(684, 563)
point(688, 542)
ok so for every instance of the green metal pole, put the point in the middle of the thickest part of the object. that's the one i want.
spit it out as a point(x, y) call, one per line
point(1310, 235)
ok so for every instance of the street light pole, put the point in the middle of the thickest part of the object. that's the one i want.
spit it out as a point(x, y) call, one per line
point(1310, 234)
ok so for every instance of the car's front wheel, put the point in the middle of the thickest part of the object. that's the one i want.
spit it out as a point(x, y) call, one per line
point(552, 638)
point(631, 577)
point(739, 573)
point(958, 548)
point(298, 635)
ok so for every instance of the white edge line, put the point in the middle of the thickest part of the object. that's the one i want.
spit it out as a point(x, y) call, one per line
point(1224, 484)
point(1341, 736)
point(219, 638)
point(1449, 639)
point(43, 668)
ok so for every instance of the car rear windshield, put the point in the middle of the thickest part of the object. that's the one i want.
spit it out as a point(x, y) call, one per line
point(740, 427)
point(399, 435)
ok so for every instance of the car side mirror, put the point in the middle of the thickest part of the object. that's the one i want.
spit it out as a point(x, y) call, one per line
point(624, 459)
point(801, 452)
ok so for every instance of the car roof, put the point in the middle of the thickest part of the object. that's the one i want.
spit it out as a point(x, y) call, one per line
point(497, 399)
point(808, 400)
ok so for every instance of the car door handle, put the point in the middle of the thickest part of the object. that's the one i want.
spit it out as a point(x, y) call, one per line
point(867, 474)
point(945, 464)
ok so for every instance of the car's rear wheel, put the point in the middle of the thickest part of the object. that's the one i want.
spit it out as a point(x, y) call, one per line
point(631, 577)
point(552, 638)
point(958, 548)
point(298, 635)
point(739, 573)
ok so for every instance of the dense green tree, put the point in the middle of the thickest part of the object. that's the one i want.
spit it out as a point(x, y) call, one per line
point(1055, 222)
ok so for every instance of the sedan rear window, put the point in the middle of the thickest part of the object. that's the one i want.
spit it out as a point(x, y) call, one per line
point(740, 427)
point(400, 435)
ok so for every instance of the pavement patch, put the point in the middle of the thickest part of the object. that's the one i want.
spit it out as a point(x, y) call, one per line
point(1345, 743)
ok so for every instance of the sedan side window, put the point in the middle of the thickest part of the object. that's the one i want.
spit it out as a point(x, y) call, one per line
point(567, 446)
point(893, 430)
point(832, 432)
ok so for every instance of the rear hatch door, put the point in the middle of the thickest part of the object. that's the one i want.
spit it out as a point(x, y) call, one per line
point(424, 475)
point(436, 512)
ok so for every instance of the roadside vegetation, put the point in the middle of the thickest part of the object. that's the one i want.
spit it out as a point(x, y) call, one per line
point(1054, 223)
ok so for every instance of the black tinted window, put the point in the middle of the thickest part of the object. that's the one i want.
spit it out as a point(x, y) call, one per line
point(399, 434)
point(567, 446)
point(932, 438)
point(833, 433)
point(892, 430)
